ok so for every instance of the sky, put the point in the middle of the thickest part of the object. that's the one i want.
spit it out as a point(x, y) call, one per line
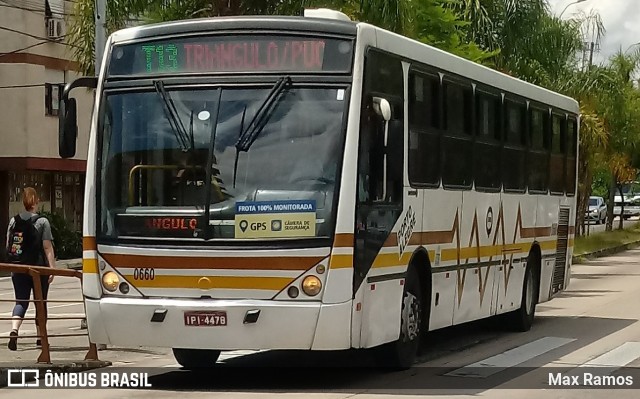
point(620, 18)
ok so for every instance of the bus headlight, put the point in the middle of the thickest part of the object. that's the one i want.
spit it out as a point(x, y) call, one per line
point(311, 285)
point(110, 281)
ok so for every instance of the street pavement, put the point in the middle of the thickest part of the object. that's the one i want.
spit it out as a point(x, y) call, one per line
point(593, 323)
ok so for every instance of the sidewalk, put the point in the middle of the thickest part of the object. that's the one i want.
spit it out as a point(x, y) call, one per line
point(67, 353)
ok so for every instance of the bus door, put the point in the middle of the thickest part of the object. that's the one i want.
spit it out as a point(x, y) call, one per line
point(379, 201)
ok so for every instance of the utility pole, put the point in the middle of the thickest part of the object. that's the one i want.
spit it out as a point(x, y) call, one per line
point(101, 32)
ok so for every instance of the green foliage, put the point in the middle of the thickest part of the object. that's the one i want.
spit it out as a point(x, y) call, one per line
point(67, 243)
point(601, 183)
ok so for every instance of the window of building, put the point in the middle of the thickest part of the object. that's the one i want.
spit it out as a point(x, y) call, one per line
point(52, 93)
point(424, 131)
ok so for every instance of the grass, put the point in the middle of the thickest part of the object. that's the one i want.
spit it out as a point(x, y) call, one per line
point(607, 239)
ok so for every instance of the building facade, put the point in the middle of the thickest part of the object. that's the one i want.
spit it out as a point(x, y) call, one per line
point(35, 64)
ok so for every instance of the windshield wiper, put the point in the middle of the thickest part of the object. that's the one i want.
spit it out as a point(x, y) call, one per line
point(172, 116)
point(248, 136)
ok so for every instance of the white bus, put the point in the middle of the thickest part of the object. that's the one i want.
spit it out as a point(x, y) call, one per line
point(315, 183)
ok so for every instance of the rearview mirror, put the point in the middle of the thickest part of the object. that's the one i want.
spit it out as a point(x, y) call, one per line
point(68, 128)
point(68, 116)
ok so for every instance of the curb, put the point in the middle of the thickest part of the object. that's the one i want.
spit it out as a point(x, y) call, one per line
point(605, 252)
point(38, 369)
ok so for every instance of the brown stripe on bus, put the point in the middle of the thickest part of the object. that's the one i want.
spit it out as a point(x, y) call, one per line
point(534, 232)
point(343, 240)
point(89, 244)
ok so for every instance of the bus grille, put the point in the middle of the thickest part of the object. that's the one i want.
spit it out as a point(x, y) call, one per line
point(560, 269)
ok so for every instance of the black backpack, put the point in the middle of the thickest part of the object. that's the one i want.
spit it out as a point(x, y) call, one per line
point(25, 242)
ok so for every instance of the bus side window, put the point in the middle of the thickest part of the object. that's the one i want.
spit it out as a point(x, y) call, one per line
point(488, 142)
point(514, 150)
point(572, 150)
point(538, 167)
point(558, 150)
point(457, 143)
point(424, 129)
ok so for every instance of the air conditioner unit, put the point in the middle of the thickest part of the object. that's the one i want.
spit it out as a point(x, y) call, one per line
point(55, 27)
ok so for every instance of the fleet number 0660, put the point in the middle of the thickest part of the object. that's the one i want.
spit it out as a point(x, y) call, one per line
point(144, 273)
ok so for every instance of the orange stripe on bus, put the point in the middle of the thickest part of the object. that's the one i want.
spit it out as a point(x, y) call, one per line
point(242, 263)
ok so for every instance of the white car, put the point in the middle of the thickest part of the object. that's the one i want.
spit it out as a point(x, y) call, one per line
point(597, 210)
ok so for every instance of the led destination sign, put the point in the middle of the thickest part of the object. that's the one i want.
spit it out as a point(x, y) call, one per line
point(233, 54)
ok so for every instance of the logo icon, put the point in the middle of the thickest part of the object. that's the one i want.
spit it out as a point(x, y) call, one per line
point(489, 221)
point(243, 225)
point(276, 225)
point(21, 378)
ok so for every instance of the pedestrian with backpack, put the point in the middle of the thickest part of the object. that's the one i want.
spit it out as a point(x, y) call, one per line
point(29, 242)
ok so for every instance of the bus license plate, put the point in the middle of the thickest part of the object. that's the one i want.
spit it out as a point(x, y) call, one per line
point(205, 319)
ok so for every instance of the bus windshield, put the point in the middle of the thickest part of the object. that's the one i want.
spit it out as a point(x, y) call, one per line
point(157, 146)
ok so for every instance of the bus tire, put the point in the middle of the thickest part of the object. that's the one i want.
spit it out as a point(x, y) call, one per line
point(401, 354)
point(196, 358)
point(522, 319)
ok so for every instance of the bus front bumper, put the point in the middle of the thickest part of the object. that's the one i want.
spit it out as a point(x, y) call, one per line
point(128, 322)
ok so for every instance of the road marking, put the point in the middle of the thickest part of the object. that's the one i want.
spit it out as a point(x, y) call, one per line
point(616, 358)
point(510, 358)
point(608, 362)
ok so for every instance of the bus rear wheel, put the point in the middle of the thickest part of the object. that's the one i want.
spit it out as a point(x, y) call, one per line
point(401, 354)
point(522, 319)
point(196, 358)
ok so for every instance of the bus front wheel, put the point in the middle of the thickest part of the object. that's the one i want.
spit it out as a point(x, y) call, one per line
point(522, 319)
point(401, 354)
point(196, 358)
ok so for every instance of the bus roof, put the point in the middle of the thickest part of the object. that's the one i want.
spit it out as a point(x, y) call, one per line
point(248, 23)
